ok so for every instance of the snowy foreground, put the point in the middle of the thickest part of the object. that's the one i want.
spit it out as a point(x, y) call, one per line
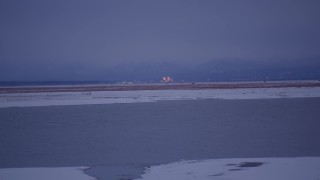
point(111, 97)
point(60, 173)
point(306, 168)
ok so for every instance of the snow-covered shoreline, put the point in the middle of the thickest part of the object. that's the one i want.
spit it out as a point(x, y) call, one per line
point(306, 168)
point(111, 97)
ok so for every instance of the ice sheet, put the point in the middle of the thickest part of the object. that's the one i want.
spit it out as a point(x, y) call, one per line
point(306, 168)
point(110, 97)
point(57, 173)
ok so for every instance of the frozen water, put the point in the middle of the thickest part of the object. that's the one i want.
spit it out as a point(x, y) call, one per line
point(306, 168)
point(111, 97)
point(119, 140)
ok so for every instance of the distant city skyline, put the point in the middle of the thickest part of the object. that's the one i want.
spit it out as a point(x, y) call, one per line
point(146, 40)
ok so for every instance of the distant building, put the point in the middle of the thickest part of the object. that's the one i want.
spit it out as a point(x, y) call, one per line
point(167, 79)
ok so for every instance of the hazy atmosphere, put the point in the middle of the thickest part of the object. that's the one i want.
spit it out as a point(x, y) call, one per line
point(159, 89)
point(145, 40)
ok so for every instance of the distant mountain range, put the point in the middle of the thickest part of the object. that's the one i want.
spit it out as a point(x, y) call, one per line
point(211, 71)
point(222, 70)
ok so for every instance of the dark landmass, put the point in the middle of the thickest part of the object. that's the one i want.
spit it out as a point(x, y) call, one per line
point(156, 86)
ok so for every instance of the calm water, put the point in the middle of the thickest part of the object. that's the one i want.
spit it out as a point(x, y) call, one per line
point(119, 140)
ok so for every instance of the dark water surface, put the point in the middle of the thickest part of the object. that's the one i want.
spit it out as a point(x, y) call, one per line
point(119, 140)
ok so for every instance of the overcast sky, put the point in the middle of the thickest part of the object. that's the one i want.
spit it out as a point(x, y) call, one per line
point(72, 40)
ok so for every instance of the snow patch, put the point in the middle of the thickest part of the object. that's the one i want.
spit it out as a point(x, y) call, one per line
point(306, 168)
point(111, 97)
